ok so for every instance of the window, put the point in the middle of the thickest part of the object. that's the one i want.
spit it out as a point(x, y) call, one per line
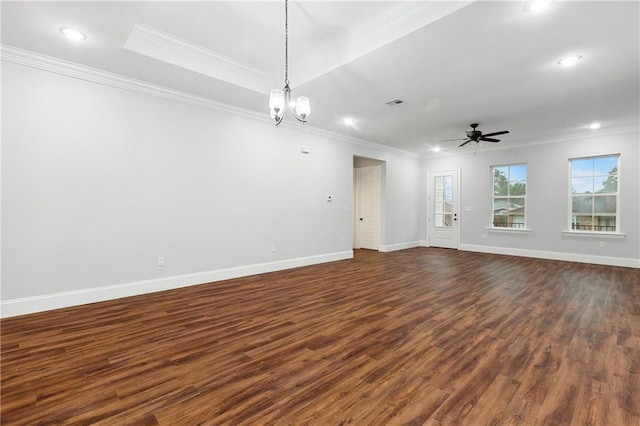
point(509, 195)
point(594, 194)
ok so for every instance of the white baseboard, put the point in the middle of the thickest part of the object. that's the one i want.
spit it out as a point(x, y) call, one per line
point(551, 255)
point(424, 243)
point(29, 305)
point(399, 246)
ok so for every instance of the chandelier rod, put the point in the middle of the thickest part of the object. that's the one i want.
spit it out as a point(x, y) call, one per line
point(286, 42)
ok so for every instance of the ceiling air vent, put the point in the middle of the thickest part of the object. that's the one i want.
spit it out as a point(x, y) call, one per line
point(394, 102)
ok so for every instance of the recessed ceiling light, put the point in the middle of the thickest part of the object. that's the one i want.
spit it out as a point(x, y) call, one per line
point(594, 126)
point(538, 5)
point(436, 149)
point(73, 34)
point(569, 60)
point(348, 121)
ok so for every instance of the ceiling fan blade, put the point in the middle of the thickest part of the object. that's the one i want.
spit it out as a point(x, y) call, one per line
point(489, 139)
point(497, 133)
point(451, 140)
point(465, 142)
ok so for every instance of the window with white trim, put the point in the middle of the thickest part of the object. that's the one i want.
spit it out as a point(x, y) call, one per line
point(594, 194)
point(509, 196)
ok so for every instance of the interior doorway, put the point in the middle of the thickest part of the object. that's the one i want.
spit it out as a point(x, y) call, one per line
point(368, 178)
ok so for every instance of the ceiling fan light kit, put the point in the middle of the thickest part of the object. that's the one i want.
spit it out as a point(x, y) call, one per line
point(280, 99)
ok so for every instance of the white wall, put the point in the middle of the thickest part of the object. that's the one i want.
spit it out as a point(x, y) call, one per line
point(547, 199)
point(97, 182)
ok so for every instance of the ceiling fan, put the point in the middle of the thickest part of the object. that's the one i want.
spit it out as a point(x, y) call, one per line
point(474, 135)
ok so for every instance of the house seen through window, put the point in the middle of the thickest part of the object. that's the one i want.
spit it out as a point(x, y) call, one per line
point(509, 195)
point(594, 194)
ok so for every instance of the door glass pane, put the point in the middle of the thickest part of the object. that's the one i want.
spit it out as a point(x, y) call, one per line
point(443, 201)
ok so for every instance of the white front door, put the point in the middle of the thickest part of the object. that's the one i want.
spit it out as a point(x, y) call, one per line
point(368, 207)
point(442, 207)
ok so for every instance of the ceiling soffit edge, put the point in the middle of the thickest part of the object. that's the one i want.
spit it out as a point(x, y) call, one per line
point(395, 23)
point(387, 27)
point(94, 75)
point(159, 45)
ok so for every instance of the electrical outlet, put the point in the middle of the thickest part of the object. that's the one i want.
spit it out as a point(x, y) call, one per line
point(160, 261)
point(341, 240)
point(273, 248)
point(602, 244)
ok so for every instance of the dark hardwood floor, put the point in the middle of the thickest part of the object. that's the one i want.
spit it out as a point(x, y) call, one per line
point(421, 336)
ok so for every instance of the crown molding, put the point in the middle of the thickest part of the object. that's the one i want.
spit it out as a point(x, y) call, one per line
point(569, 138)
point(406, 17)
point(159, 45)
point(353, 140)
point(94, 75)
point(589, 134)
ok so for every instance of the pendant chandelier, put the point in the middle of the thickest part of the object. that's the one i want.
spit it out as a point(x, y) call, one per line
point(280, 99)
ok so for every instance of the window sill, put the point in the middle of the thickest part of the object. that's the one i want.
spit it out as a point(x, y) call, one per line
point(508, 230)
point(594, 234)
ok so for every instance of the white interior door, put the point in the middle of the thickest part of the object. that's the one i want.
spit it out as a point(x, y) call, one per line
point(442, 207)
point(368, 207)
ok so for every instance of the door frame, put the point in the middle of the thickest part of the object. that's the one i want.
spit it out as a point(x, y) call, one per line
point(358, 163)
point(455, 204)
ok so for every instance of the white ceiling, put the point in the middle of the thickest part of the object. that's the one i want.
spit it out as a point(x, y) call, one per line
point(452, 63)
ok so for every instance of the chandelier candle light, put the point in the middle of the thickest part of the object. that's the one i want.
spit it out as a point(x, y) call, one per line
point(280, 98)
